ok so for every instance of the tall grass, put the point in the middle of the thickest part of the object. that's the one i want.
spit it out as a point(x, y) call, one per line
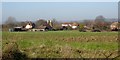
point(57, 43)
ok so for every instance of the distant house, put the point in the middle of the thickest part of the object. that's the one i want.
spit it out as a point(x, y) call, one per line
point(66, 24)
point(30, 25)
point(75, 25)
point(44, 27)
point(72, 25)
point(27, 27)
point(48, 25)
point(114, 26)
point(40, 28)
point(86, 27)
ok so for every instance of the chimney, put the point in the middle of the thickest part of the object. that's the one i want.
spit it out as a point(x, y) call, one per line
point(51, 23)
point(47, 21)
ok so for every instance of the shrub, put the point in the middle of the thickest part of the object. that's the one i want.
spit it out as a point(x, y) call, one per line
point(12, 52)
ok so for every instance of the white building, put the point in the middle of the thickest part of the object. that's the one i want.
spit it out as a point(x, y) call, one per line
point(28, 26)
point(72, 25)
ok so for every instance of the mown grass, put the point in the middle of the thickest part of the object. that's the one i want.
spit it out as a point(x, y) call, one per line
point(58, 40)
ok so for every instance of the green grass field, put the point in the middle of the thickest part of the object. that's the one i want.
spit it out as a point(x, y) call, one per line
point(64, 44)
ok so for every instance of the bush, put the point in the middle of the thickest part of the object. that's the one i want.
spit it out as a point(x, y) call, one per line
point(12, 52)
point(96, 30)
point(82, 30)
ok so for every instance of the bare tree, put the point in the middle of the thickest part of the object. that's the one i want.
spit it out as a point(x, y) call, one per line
point(100, 23)
point(88, 23)
point(40, 22)
point(11, 22)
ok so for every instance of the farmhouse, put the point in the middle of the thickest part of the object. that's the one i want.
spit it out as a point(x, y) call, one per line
point(27, 27)
point(72, 25)
point(41, 28)
point(30, 25)
point(75, 25)
point(115, 26)
point(45, 27)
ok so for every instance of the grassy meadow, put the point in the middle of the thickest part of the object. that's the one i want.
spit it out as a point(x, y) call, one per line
point(64, 44)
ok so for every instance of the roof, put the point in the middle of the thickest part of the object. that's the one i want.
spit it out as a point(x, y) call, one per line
point(42, 27)
point(73, 24)
point(115, 23)
point(17, 27)
point(66, 23)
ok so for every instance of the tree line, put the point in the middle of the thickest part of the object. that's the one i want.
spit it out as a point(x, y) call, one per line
point(99, 23)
